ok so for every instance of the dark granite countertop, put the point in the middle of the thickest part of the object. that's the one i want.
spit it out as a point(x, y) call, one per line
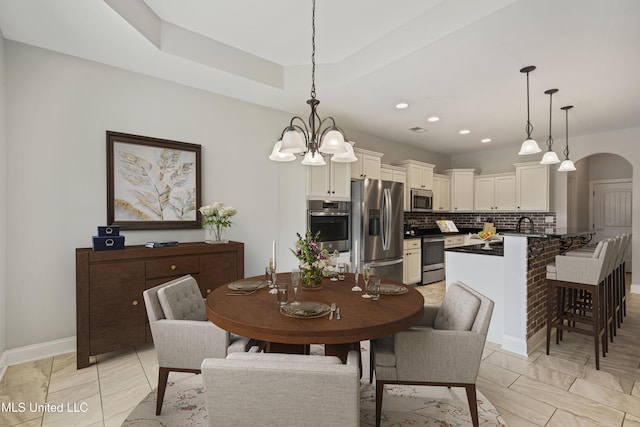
point(497, 249)
point(420, 232)
point(551, 233)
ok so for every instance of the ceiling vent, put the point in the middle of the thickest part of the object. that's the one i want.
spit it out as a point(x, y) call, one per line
point(418, 129)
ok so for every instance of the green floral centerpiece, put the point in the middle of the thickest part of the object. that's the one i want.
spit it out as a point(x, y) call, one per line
point(312, 259)
point(215, 219)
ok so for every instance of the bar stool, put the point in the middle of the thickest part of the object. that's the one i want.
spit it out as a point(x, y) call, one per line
point(621, 279)
point(569, 276)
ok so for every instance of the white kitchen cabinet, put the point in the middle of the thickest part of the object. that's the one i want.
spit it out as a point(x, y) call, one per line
point(329, 182)
point(532, 187)
point(367, 165)
point(412, 262)
point(495, 193)
point(419, 174)
point(441, 193)
point(462, 181)
point(396, 174)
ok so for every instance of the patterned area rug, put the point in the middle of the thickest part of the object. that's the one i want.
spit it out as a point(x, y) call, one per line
point(402, 406)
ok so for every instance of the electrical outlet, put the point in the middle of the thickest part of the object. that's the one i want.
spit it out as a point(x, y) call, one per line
point(548, 219)
point(477, 219)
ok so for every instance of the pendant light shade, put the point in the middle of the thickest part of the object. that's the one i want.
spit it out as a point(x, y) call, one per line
point(566, 165)
point(529, 146)
point(278, 156)
point(550, 157)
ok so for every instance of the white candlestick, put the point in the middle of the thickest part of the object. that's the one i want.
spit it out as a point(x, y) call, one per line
point(355, 256)
point(274, 254)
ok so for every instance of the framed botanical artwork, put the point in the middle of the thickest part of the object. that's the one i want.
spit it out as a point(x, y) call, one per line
point(152, 183)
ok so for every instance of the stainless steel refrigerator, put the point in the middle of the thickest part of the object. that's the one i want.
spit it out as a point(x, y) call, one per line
point(377, 218)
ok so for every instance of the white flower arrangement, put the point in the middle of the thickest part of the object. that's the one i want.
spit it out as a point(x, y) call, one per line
point(218, 216)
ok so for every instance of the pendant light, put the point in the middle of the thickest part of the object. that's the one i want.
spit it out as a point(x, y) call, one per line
point(550, 157)
point(567, 165)
point(317, 137)
point(529, 146)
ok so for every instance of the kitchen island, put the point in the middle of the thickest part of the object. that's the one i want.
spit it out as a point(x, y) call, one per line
point(513, 275)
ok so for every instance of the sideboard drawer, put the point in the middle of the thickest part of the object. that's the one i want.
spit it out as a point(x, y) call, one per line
point(173, 266)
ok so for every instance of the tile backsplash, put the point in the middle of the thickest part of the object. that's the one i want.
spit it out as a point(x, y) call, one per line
point(502, 220)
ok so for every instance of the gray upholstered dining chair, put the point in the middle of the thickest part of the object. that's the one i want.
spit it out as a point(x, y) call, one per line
point(274, 389)
point(443, 349)
point(182, 334)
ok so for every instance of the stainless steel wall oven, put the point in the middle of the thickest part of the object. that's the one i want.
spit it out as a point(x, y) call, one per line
point(333, 221)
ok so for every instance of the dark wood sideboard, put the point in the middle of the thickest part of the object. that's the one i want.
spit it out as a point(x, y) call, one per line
point(110, 311)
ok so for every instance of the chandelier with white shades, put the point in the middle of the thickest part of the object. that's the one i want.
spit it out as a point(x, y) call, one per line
point(317, 138)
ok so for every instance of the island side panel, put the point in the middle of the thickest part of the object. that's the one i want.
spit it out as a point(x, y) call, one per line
point(484, 273)
point(515, 295)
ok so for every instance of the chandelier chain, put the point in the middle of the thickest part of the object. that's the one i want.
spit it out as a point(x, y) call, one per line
point(313, 49)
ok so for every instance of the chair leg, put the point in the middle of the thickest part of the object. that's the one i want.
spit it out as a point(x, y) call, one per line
point(379, 392)
point(473, 403)
point(163, 375)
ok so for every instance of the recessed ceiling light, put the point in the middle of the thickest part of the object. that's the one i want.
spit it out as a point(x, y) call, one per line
point(464, 131)
point(484, 141)
point(402, 105)
point(433, 119)
point(418, 129)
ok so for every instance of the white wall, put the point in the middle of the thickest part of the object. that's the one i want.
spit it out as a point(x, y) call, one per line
point(3, 204)
point(58, 109)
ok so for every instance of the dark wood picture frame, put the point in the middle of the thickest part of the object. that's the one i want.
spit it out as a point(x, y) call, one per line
point(152, 183)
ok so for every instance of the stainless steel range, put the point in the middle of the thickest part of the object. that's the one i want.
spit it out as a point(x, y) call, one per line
point(432, 259)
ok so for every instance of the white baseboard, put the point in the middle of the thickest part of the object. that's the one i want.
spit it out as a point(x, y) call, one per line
point(38, 351)
point(635, 289)
point(514, 345)
point(3, 364)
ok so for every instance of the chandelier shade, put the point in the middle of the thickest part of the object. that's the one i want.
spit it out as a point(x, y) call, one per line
point(313, 159)
point(550, 157)
point(347, 157)
point(316, 137)
point(278, 156)
point(529, 146)
point(566, 165)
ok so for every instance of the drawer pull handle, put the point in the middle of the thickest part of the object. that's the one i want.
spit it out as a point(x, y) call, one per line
point(135, 302)
point(173, 266)
point(208, 291)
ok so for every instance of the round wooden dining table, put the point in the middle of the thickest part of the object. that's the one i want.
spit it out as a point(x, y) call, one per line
point(258, 315)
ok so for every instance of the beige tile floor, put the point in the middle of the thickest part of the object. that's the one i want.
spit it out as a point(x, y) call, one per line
point(562, 389)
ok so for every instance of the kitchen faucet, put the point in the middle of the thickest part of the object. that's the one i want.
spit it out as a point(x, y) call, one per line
point(522, 218)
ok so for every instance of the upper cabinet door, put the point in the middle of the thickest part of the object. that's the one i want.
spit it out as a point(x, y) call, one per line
point(505, 193)
point(532, 187)
point(484, 194)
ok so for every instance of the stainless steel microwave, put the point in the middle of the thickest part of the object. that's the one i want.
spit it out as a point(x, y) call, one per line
point(421, 200)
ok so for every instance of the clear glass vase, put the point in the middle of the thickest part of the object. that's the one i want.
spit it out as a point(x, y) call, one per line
point(215, 234)
point(310, 279)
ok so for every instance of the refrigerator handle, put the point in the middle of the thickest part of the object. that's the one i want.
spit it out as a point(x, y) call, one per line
point(386, 218)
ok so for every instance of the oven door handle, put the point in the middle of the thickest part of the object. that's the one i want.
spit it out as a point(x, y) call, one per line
point(328, 214)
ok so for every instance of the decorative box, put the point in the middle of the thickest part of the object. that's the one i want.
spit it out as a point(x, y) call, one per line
point(106, 243)
point(109, 230)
